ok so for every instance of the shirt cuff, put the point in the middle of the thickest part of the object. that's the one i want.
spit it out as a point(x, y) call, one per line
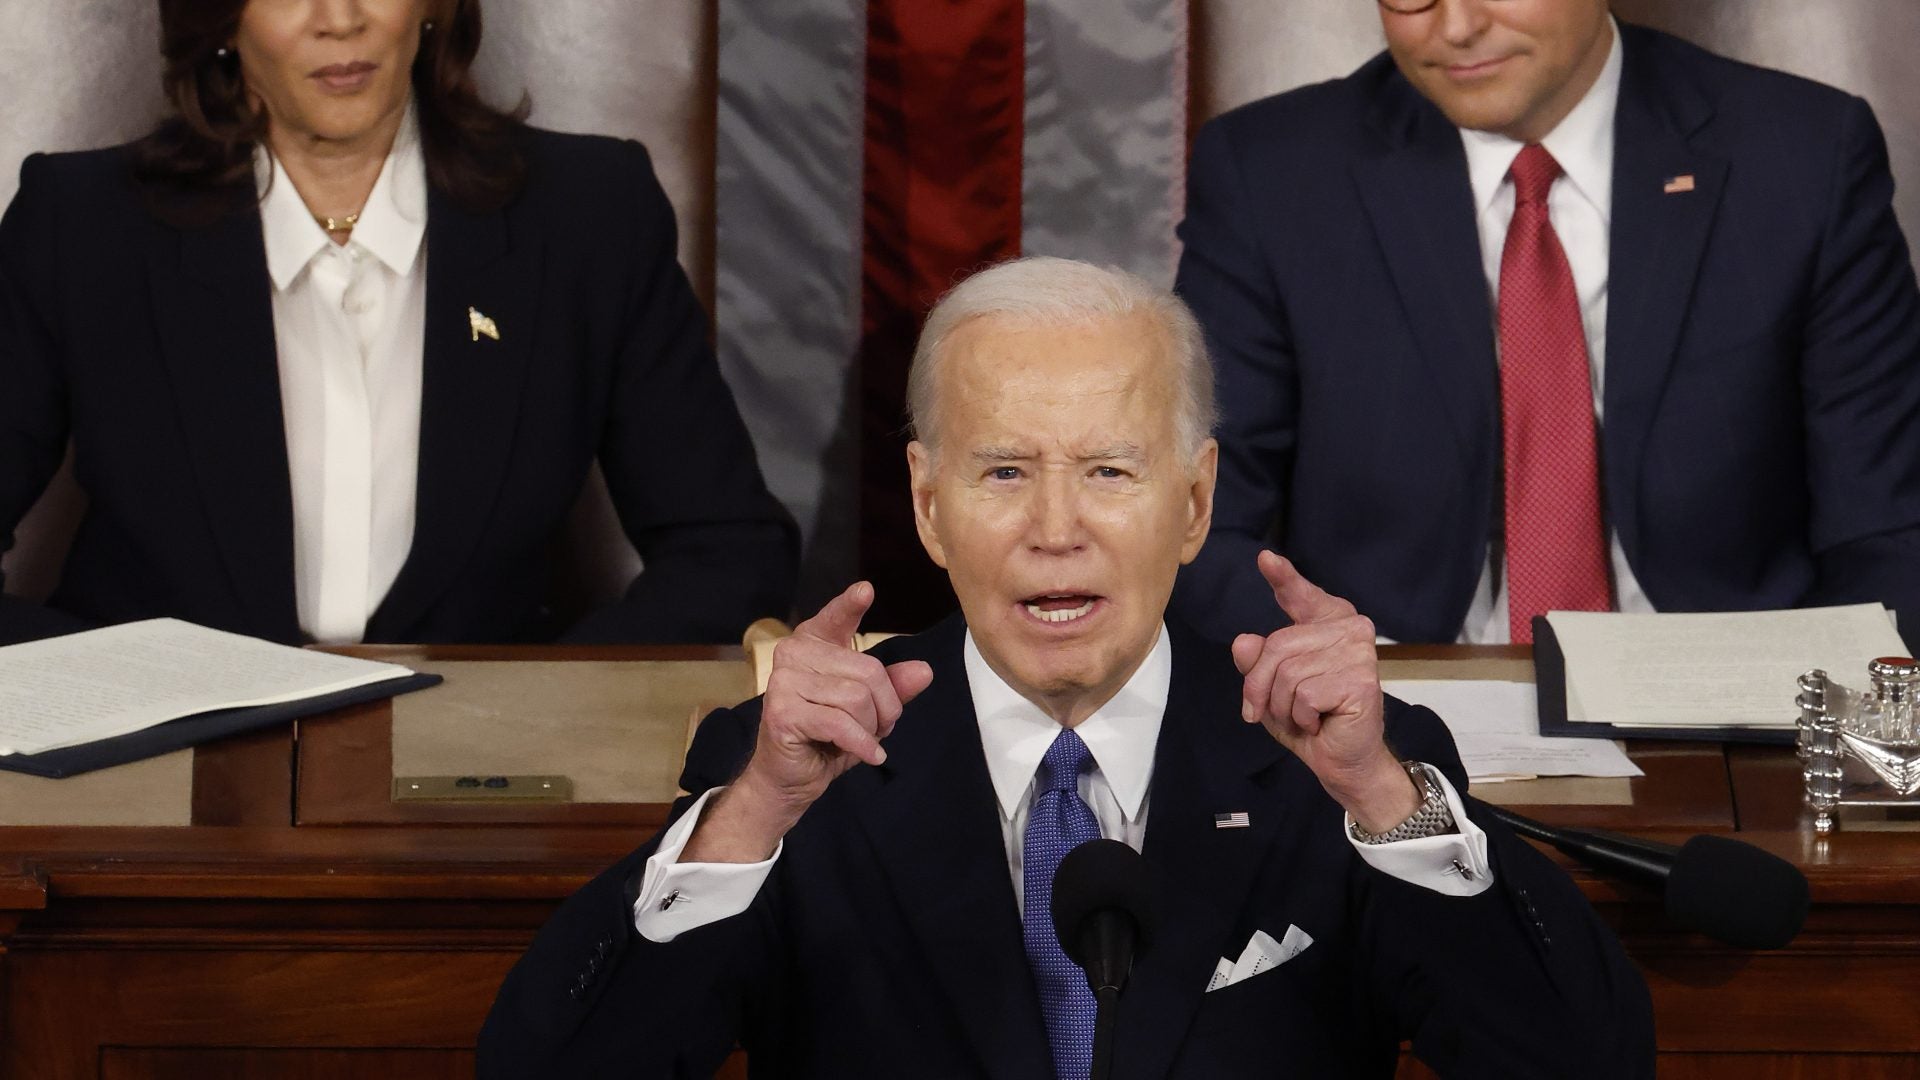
point(1452, 864)
point(676, 897)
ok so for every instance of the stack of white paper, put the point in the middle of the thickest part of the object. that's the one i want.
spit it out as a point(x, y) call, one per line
point(95, 685)
point(1496, 725)
point(1736, 669)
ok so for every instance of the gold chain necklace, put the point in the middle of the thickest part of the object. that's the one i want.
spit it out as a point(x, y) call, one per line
point(334, 225)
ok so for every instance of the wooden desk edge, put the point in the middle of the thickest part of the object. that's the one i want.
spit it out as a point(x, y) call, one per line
point(23, 885)
point(403, 654)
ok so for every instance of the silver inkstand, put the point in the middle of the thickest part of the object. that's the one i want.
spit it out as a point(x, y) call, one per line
point(1860, 748)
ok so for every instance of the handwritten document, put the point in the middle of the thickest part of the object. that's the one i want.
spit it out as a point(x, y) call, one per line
point(1496, 726)
point(1734, 669)
point(83, 687)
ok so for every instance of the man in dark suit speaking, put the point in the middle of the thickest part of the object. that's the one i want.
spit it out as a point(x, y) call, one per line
point(1537, 311)
point(858, 885)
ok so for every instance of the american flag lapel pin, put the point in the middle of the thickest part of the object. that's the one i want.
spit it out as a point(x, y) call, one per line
point(481, 324)
point(1237, 819)
point(1677, 184)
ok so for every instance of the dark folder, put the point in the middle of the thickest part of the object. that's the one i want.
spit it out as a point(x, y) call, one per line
point(1550, 680)
point(201, 727)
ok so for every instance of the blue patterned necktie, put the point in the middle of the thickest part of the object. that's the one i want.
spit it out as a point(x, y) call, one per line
point(1057, 823)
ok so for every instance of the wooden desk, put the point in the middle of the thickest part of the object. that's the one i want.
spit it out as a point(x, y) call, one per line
point(633, 704)
point(305, 925)
point(253, 945)
point(271, 951)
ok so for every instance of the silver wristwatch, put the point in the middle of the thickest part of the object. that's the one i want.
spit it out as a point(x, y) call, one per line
point(1433, 818)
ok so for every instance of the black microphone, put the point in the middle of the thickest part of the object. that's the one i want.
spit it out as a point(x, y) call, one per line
point(1728, 890)
point(1103, 915)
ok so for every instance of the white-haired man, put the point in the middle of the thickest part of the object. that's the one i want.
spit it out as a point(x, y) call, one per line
point(858, 885)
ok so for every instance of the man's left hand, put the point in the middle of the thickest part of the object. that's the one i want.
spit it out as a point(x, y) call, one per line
point(1315, 685)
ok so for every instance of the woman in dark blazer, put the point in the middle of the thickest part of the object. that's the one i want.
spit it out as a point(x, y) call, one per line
point(337, 345)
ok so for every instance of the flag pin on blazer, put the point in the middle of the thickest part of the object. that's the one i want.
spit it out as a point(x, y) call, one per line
point(1677, 184)
point(481, 324)
point(1236, 820)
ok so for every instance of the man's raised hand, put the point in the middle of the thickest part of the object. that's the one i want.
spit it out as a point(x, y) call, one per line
point(1315, 685)
point(826, 709)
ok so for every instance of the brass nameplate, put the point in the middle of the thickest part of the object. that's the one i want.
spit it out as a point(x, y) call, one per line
point(483, 789)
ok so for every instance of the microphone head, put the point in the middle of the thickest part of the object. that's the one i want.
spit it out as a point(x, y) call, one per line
point(1736, 893)
point(1097, 876)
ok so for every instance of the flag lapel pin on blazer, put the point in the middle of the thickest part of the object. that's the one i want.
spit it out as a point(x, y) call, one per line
point(481, 324)
point(1677, 184)
point(1238, 819)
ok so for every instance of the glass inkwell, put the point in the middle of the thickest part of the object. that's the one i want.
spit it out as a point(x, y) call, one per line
point(1860, 747)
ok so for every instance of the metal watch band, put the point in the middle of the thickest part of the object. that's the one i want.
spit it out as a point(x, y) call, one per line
point(1431, 819)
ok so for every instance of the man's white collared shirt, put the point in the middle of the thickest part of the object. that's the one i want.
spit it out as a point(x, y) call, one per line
point(1120, 736)
point(349, 330)
point(1014, 734)
point(1580, 205)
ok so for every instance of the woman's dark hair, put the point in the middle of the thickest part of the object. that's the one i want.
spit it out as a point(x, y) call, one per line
point(204, 152)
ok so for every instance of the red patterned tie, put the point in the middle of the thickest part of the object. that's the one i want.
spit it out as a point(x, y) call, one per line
point(1556, 545)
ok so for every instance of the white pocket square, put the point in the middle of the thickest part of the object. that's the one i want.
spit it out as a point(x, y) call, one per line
point(1261, 954)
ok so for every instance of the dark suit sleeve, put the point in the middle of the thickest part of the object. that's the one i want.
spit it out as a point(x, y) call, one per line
point(33, 397)
point(1522, 980)
point(718, 550)
point(1860, 368)
point(591, 997)
point(1227, 280)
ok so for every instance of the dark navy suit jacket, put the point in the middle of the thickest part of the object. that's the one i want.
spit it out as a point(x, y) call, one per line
point(151, 346)
point(1761, 445)
point(886, 941)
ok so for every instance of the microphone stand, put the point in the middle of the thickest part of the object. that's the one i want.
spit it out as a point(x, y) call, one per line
point(1112, 939)
point(1106, 999)
point(1644, 862)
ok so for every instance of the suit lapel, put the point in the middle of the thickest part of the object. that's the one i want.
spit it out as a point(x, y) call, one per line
point(1658, 238)
point(1415, 190)
point(1206, 763)
point(470, 396)
point(932, 818)
point(213, 312)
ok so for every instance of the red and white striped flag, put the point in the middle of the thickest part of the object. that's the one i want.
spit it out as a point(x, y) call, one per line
point(870, 155)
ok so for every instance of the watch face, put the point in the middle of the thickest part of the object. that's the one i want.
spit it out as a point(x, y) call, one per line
point(1423, 776)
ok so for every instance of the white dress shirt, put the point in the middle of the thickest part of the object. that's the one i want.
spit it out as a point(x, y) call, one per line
point(1015, 735)
point(1580, 206)
point(349, 328)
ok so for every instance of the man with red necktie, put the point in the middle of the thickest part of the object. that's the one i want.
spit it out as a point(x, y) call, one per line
point(1539, 311)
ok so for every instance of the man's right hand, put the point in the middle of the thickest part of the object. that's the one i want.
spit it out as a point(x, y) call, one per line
point(826, 709)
